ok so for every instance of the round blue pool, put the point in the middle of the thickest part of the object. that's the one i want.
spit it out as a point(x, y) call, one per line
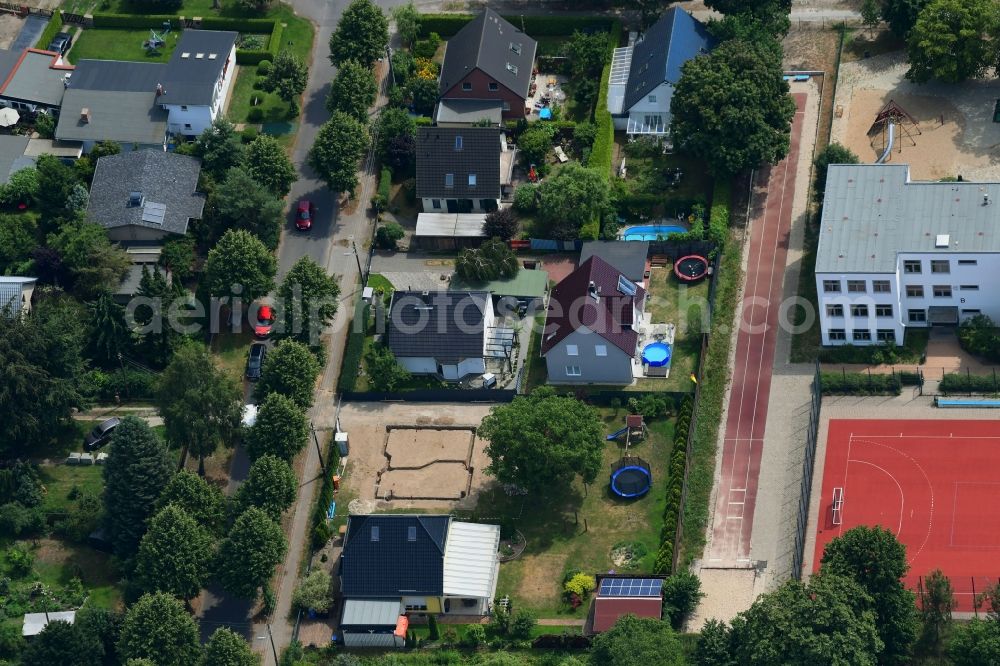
point(656, 354)
point(652, 232)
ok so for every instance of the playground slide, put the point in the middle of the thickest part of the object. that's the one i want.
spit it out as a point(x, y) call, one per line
point(888, 144)
point(616, 435)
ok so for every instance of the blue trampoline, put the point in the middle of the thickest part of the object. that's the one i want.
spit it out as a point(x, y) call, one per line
point(631, 477)
point(656, 354)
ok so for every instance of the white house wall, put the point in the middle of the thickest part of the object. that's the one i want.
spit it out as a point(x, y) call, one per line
point(188, 120)
point(663, 93)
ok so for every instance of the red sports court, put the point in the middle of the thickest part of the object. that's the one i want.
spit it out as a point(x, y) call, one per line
point(934, 484)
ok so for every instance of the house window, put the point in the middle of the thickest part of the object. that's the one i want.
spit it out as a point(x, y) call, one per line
point(835, 311)
point(940, 266)
point(572, 350)
point(967, 262)
point(652, 99)
point(915, 291)
point(969, 287)
point(838, 334)
point(187, 125)
point(506, 106)
point(862, 335)
point(436, 204)
point(859, 310)
point(416, 607)
point(183, 107)
point(458, 143)
point(449, 180)
point(883, 310)
point(573, 371)
point(472, 180)
point(971, 311)
point(831, 286)
point(911, 266)
point(466, 86)
point(857, 286)
point(942, 291)
point(601, 350)
point(885, 335)
point(881, 287)
point(493, 86)
point(916, 316)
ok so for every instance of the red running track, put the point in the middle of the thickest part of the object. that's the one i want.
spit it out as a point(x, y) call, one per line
point(747, 415)
point(931, 483)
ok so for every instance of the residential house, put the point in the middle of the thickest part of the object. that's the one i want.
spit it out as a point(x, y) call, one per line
point(462, 169)
point(895, 254)
point(138, 104)
point(643, 75)
point(488, 60)
point(404, 564)
point(15, 295)
point(33, 80)
point(20, 152)
point(630, 258)
point(444, 333)
point(619, 595)
point(590, 334)
point(34, 623)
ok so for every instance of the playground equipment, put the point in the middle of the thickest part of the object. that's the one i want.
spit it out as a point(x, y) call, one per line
point(630, 476)
point(691, 268)
point(156, 39)
point(892, 123)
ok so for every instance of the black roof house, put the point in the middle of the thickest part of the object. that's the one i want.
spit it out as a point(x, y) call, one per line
point(491, 44)
point(458, 162)
point(195, 65)
point(393, 555)
point(448, 326)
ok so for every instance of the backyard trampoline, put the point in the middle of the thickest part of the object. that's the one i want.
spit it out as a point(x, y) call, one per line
point(656, 354)
point(691, 268)
point(630, 477)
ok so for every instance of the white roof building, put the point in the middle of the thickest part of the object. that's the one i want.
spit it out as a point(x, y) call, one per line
point(35, 622)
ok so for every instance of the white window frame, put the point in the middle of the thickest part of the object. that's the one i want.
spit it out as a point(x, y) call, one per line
point(838, 333)
point(572, 350)
point(600, 350)
point(573, 371)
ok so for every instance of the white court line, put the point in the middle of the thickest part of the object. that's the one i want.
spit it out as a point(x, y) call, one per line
point(929, 437)
point(902, 496)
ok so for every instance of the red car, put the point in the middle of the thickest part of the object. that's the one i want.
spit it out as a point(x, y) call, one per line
point(304, 215)
point(265, 321)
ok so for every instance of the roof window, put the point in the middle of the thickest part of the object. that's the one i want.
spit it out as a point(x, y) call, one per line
point(515, 47)
point(375, 533)
point(411, 533)
point(458, 142)
point(449, 180)
point(512, 69)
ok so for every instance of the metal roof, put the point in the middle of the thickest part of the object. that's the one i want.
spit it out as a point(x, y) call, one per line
point(35, 622)
point(468, 225)
point(491, 44)
point(369, 612)
point(460, 152)
point(470, 560)
point(661, 53)
point(380, 560)
point(12, 292)
point(526, 284)
point(124, 117)
point(469, 111)
point(37, 78)
point(195, 65)
point(445, 325)
point(872, 212)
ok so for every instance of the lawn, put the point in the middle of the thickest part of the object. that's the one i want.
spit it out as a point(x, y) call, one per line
point(577, 527)
point(687, 308)
point(61, 481)
point(231, 351)
point(650, 174)
point(114, 44)
point(245, 97)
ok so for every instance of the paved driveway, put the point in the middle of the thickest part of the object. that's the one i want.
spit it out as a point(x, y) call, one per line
point(30, 32)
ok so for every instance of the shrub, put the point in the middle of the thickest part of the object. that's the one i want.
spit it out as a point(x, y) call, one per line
point(381, 198)
point(959, 383)
point(264, 68)
point(260, 83)
point(313, 593)
point(249, 133)
point(18, 520)
point(681, 593)
point(20, 559)
point(522, 624)
point(432, 628)
point(979, 335)
point(526, 198)
point(127, 386)
point(426, 48)
point(475, 636)
point(255, 114)
point(51, 30)
point(581, 585)
point(859, 383)
point(388, 235)
point(718, 221)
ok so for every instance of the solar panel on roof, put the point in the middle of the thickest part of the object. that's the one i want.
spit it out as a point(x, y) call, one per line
point(153, 212)
point(631, 587)
point(626, 286)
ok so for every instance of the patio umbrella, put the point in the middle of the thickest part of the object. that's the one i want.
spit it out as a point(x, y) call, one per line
point(9, 117)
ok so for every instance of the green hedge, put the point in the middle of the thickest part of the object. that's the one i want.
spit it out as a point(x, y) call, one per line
point(113, 385)
point(604, 142)
point(718, 220)
point(51, 30)
point(321, 531)
point(381, 198)
point(447, 25)
point(238, 24)
point(355, 348)
point(859, 383)
point(959, 383)
point(664, 562)
point(137, 21)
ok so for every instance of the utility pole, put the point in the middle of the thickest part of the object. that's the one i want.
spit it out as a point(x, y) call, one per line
point(319, 452)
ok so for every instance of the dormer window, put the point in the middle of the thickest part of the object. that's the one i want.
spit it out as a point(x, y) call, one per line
point(515, 47)
point(458, 143)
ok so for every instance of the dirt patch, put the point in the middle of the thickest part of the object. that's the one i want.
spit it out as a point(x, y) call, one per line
point(542, 575)
point(441, 481)
point(426, 463)
point(10, 26)
point(814, 49)
point(414, 447)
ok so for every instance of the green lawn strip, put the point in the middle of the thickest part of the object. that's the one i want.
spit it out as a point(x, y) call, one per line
point(298, 34)
point(379, 282)
point(245, 95)
point(687, 308)
point(579, 526)
point(537, 369)
point(715, 375)
point(231, 351)
point(60, 480)
point(115, 44)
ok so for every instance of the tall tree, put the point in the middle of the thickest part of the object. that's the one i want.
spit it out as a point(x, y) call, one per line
point(202, 501)
point(269, 486)
point(501, 223)
point(543, 439)
point(40, 375)
point(901, 15)
point(269, 165)
point(313, 593)
point(159, 629)
point(174, 555)
point(586, 53)
point(833, 153)
point(385, 373)
point(18, 238)
point(61, 643)
point(731, 108)
point(490, 261)
point(874, 558)
point(94, 264)
point(362, 34)
point(287, 78)
point(338, 148)
point(975, 643)
point(681, 594)
point(219, 147)
point(291, 370)
point(574, 197)
point(395, 124)
point(227, 648)
point(871, 15)
point(309, 301)
point(828, 622)
point(281, 429)
point(201, 405)
point(352, 90)
point(937, 600)
point(104, 626)
point(713, 645)
point(248, 556)
point(407, 20)
point(953, 40)
point(241, 265)
point(771, 13)
point(158, 336)
point(242, 202)
point(634, 641)
point(136, 472)
point(56, 183)
point(109, 335)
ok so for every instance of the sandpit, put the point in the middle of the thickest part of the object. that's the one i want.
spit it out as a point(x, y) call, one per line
point(414, 447)
point(426, 463)
point(441, 480)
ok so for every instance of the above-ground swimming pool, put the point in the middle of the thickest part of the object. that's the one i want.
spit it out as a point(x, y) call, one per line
point(656, 354)
point(652, 232)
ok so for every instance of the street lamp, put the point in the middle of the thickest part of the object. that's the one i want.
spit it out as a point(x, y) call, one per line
point(357, 257)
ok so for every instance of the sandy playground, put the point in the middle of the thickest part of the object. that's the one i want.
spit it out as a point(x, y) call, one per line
point(954, 135)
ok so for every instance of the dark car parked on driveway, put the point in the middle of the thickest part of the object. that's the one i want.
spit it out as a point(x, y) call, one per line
point(60, 43)
point(100, 435)
point(255, 361)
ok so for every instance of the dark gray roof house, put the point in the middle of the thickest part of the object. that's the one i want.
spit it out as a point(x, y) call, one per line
point(627, 257)
point(494, 46)
point(458, 163)
point(36, 79)
point(195, 65)
point(448, 326)
point(393, 555)
point(145, 195)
